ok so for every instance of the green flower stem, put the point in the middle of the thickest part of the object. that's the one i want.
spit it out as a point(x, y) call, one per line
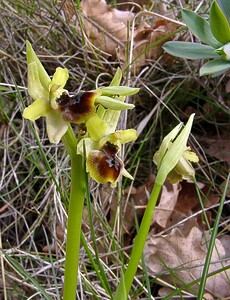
point(138, 246)
point(76, 204)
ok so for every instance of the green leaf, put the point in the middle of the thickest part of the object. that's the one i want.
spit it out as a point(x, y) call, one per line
point(190, 50)
point(200, 28)
point(214, 66)
point(219, 24)
point(225, 7)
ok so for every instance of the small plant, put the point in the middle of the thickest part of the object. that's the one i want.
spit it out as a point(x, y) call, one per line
point(97, 113)
point(215, 36)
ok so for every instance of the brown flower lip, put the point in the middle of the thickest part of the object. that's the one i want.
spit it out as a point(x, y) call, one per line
point(77, 108)
point(106, 164)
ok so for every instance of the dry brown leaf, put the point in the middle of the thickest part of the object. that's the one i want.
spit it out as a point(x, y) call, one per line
point(108, 29)
point(219, 147)
point(167, 203)
point(185, 255)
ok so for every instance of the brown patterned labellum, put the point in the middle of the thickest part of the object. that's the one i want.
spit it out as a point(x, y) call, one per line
point(105, 166)
point(77, 108)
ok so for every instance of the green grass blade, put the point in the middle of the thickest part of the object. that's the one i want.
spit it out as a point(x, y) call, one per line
point(26, 276)
point(211, 244)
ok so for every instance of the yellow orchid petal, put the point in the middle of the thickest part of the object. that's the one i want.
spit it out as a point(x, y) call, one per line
point(185, 168)
point(39, 108)
point(60, 78)
point(56, 126)
point(127, 136)
point(119, 137)
point(35, 88)
point(56, 85)
point(191, 156)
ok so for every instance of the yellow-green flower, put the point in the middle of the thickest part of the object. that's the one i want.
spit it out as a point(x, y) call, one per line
point(44, 92)
point(52, 101)
point(102, 161)
point(173, 158)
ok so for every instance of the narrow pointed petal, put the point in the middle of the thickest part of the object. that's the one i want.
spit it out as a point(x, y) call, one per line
point(119, 90)
point(35, 88)
point(56, 126)
point(113, 104)
point(39, 108)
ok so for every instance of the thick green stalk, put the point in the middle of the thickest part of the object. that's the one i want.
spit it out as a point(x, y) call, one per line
point(138, 245)
point(76, 204)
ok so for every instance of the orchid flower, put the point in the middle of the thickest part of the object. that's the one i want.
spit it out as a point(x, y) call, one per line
point(44, 92)
point(52, 101)
point(173, 158)
point(103, 142)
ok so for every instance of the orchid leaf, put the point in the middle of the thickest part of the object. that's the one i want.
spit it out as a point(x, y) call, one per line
point(190, 50)
point(215, 66)
point(225, 7)
point(219, 24)
point(200, 28)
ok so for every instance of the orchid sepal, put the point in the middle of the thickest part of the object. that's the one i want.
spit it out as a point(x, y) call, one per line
point(31, 58)
point(39, 108)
